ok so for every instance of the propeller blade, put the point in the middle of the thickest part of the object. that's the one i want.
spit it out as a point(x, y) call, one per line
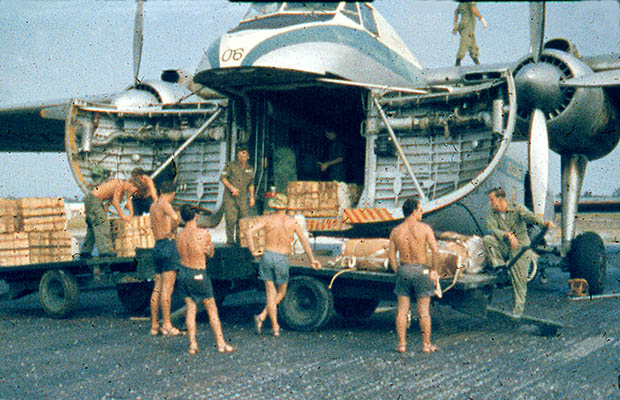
point(537, 28)
point(596, 79)
point(138, 37)
point(539, 161)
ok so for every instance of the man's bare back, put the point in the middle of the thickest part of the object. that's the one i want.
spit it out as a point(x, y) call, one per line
point(410, 239)
point(193, 244)
point(164, 219)
point(113, 190)
point(279, 233)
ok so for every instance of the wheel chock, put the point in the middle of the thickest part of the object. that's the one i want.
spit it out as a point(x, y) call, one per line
point(578, 287)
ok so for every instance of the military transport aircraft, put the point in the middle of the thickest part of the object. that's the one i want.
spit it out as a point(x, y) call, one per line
point(289, 71)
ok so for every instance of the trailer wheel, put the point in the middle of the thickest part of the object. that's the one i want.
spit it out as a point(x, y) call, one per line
point(351, 308)
point(135, 296)
point(308, 304)
point(59, 293)
point(588, 260)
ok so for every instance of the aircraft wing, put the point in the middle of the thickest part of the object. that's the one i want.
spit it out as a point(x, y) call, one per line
point(35, 127)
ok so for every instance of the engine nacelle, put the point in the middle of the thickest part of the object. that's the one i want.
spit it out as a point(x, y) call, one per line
point(579, 120)
point(152, 93)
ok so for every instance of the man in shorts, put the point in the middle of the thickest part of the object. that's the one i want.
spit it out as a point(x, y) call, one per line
point(274, 265)
point(164, 223)
point(410, 239)
point(194, 283)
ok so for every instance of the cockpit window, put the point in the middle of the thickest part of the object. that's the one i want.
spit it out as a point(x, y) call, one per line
point(350, 10)
point(311, 7)
point(368, 19)
point(257, 10)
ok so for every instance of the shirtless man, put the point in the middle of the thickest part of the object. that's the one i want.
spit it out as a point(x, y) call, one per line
point(144, 198)
point(409, 239)
point(273, 268)
point(98, 227)
point(194, 282)
point(164, 222)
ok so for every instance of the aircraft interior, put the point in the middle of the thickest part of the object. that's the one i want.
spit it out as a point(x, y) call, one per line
point(291, 134)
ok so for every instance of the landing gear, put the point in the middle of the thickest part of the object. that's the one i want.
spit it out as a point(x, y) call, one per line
point(587, 259)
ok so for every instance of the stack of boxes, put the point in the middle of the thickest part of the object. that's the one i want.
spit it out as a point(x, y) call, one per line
point(127, 236)
point(313, 199)
point(33, 230)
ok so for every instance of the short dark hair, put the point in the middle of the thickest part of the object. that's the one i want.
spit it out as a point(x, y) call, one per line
point(498, 192)
point(168, 187)
point(242, 147)
point(137, 171)
point(409, 206)
point(187, 212)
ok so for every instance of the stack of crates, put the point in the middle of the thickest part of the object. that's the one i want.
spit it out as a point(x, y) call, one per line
point(127, 236)
point(313, 199)
point(33, 230)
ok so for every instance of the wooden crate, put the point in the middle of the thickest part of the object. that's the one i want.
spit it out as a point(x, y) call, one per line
point(245, 224)
point(127, 236)
point(14, 249)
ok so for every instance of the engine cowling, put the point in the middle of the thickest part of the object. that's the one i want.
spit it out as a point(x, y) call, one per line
point(579, 120)
point(152, 92)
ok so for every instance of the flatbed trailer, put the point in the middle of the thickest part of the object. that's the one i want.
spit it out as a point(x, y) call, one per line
point(312, 296)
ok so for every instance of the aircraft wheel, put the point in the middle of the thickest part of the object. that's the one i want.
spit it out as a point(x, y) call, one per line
point(307, 305)
point(59, 293)
point(135, 296)
point(588, 260)
point(355, 308)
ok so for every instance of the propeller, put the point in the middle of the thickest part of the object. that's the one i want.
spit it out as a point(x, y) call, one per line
point(595, 79)
point(539, 138)
point(537, 29)
point(138, 38)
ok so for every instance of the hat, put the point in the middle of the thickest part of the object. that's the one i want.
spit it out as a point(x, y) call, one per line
point(279, 202)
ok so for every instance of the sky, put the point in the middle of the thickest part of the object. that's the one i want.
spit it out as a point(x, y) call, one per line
point(55, 49)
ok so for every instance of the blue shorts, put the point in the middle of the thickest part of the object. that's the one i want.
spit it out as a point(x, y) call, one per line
point(195, 284)
point(412, 281)
point(273, 267)
point(166, 256)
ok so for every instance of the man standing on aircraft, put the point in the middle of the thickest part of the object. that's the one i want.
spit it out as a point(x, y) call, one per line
point(164, 222)
point(274, 264)
point(238, 178)
point(194, 283)
point(507, 223)
point(333, 168)
point(98, 227)
point(144, 197)
point(466, 27)
point(413, 277)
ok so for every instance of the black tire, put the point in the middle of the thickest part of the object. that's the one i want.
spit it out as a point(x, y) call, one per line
point(135, 296)
point(307, 306)
point(351, 308)
point(59, 293)
point(587, 259)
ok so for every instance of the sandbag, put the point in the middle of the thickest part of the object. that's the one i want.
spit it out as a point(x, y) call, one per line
point(365, 254)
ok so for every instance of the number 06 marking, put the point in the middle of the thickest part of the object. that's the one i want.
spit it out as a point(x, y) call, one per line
point(234, 54)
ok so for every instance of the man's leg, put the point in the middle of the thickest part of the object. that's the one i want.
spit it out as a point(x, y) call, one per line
point(167, 287)
point(518, 277)
point(89, 241)
point(231, 216)
point(494, 250)
point(155, 305)
point(423, 304)
point(402, 312)
point(216, 326)
point(190, 322)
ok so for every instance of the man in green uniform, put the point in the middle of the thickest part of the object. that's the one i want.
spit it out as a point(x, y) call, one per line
point(507, 223)
point(465, 27)
point(238, 179)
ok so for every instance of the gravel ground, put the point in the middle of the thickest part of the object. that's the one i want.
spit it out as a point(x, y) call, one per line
point(103, 353)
